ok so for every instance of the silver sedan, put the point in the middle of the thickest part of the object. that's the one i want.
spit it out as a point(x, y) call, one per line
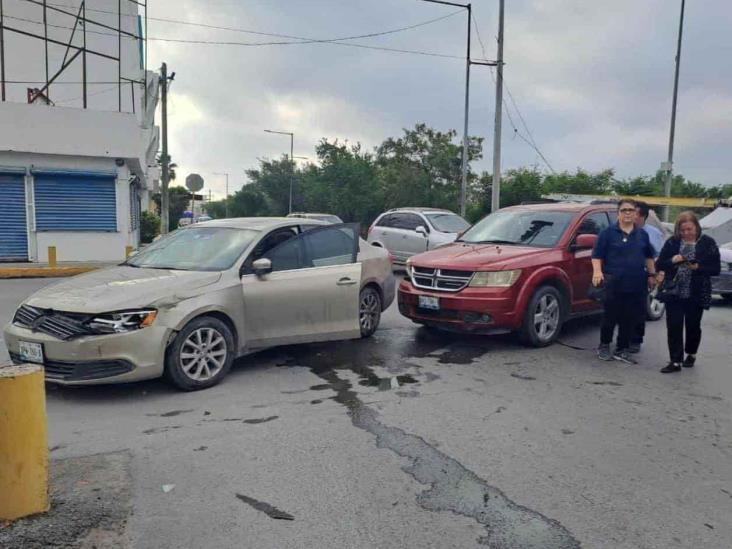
point(189, 304)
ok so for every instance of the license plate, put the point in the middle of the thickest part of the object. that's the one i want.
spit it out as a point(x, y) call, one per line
point(31, 352)
point(429, 302)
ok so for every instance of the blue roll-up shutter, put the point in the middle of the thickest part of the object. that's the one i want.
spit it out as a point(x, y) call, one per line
point(75, 201)
point(13, 226)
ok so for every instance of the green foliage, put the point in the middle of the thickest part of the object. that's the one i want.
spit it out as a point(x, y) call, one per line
point(179, 198)
point(422, 167)
point(149, 227)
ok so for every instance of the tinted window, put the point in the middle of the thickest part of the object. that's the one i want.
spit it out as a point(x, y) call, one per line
point(541, 229)
point(447, 222)
point(613, 216)
point(593, 223)
point(196, 249)
point(332, 246)
point(287, 256)
point(386, 221)
point(409, 222)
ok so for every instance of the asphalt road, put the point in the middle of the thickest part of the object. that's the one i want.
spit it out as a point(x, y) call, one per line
point(417, 439)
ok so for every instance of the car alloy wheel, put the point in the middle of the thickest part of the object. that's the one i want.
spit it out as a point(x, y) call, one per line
point(546, 317)
point(203, 354)
point(369, 311)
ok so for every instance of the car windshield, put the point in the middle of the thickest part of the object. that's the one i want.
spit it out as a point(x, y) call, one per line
point(196, 249)
point(328, 218)
point(540, 229)
point(447, 222)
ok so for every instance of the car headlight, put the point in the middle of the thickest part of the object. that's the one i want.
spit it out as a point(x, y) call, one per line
point(501, 279)
point(409, 268)
point(123, 321)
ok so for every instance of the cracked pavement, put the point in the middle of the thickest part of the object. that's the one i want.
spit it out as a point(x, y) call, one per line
point(421, 439)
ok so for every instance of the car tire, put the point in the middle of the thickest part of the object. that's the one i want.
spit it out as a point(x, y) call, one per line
point(369, 311)
point(543, 317)
point(655, 309)
point(200, 355)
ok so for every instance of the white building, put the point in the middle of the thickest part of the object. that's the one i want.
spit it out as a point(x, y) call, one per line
point(70, 177)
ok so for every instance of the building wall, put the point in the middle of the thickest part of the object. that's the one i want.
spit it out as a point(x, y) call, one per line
point(72, 245)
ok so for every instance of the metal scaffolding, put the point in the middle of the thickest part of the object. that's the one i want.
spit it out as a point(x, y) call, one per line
point(80, 23)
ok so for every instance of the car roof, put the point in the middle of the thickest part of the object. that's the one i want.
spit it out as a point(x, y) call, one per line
point(305, 214)
point(564, 207)
point(258, 223)
point(418, 210)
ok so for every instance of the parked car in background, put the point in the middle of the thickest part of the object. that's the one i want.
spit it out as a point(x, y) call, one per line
point(409, 231)
point(203, 218)
point(187, 305)
point(722, 284)
point(524, 269)
point(328, 218)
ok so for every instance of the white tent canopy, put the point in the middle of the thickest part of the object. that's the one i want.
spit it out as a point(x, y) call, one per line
point(718, 225)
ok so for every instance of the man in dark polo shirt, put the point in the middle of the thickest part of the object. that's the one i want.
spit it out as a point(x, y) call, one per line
point(623, 260)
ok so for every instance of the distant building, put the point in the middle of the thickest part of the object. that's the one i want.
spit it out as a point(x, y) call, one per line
point(71, 177)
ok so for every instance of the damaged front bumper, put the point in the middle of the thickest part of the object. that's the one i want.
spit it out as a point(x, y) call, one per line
point(88, 360)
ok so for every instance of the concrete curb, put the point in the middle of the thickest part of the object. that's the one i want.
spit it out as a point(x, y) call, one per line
point(44, 272)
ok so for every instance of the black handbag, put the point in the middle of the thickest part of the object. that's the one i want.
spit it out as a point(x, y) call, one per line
point(669, 290)
point(603, 292)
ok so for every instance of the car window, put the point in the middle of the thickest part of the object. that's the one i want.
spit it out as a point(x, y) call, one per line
point(447, 222)
point(269, 242)
point(331, 246)
point(593, 223)
point(287, 256)
point(613, 215)
point(385, 221)
point(410, 222)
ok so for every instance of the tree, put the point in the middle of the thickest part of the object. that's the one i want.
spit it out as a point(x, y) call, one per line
point(149, 227)
point(178, 200)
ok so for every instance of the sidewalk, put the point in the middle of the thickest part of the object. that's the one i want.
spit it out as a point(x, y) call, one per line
point(43, 270)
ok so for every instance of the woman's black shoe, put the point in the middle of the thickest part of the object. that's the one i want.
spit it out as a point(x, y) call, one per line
point(689, 361)
point(671, 367)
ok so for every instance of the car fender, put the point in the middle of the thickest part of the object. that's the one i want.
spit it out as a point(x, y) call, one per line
point(536, 279)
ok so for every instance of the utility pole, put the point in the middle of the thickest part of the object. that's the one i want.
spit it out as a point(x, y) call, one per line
point(292, 162)
point(164, 158)
point(464, 168)
point(2, 54)
point(496, 187)
point(226, 201)
point(670, 163)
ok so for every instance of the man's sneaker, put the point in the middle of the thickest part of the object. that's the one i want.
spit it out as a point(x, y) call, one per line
point(671, 367)
point(689, 361)
point(624, 356)
point(603, 352)
point(634, 348)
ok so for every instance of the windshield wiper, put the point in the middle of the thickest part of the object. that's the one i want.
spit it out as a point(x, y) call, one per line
point(493, 241)
point(163, 268)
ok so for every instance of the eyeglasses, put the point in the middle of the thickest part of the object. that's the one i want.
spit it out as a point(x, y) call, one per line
point(627, 210)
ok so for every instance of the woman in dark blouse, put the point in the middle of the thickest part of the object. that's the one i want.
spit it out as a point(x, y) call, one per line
point(691, 259)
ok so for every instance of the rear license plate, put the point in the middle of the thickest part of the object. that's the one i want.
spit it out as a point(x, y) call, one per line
point(31, 352)
point(429, 302)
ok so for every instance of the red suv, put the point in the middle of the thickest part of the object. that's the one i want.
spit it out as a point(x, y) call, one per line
point(522, 269)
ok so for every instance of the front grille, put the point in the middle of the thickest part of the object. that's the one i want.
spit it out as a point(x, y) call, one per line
point(81, 371)
point(445, 280)
point(63, 326)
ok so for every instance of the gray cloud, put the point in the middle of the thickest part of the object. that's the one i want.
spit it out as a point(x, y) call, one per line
point(593, 81)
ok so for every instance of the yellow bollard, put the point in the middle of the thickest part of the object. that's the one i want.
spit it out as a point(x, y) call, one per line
point(128, 251)
point(23, 442)
point(52, 256)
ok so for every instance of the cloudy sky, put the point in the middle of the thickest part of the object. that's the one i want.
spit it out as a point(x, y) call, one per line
point(592, 79)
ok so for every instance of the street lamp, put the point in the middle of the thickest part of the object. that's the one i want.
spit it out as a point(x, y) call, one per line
point(226, 201)
point(292, 160)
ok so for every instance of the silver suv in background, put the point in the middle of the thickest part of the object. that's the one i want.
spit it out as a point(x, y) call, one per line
point(409, 231)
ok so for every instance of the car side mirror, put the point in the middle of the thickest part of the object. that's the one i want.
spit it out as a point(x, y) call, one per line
point(585, 241)
point(262, 267)
point(421, 230)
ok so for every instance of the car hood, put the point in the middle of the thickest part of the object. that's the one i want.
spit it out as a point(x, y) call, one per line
point(119, 288)
point(473, 257)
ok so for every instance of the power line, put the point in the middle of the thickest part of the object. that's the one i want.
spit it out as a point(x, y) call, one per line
point(291, 38)
point(99, 92)
point(530, 140)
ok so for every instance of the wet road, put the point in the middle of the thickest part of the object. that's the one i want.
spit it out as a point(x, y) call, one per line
point(421, 439)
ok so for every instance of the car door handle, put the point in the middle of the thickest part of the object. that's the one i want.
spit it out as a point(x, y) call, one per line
point(345, 281)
